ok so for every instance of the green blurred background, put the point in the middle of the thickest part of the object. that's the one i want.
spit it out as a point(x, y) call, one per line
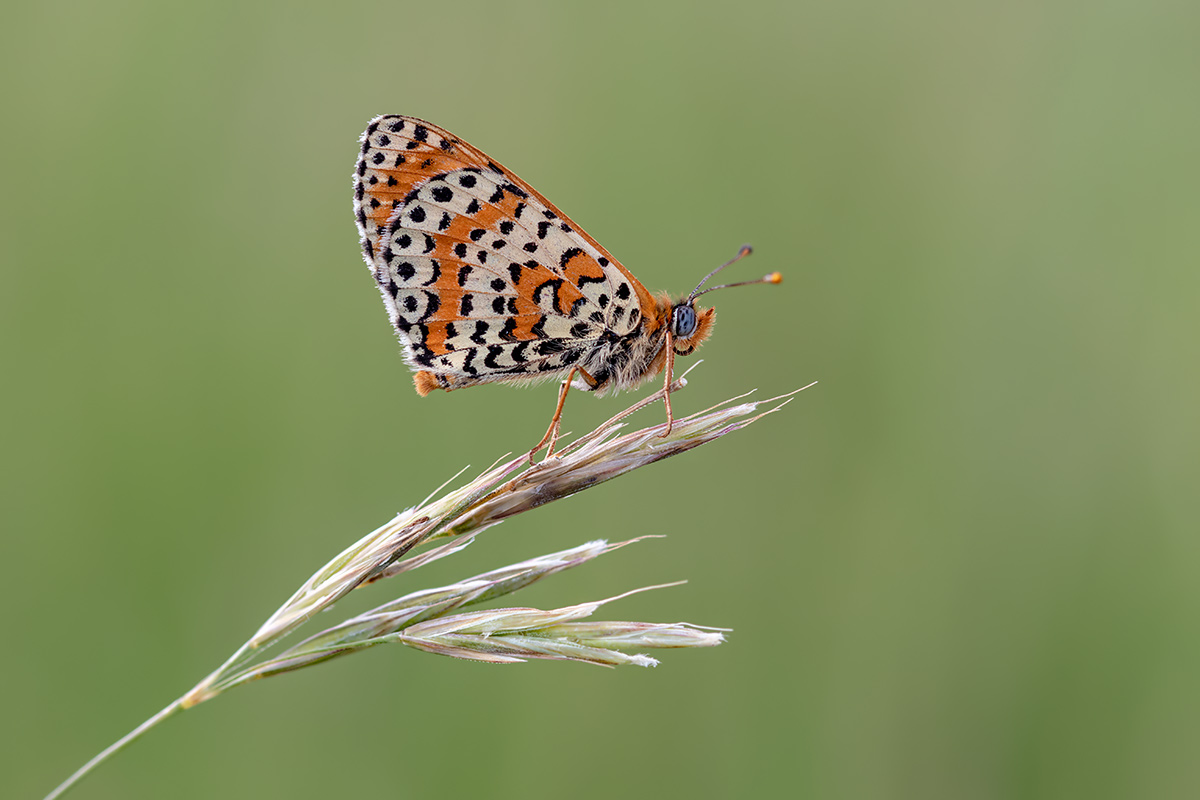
point(965, 565)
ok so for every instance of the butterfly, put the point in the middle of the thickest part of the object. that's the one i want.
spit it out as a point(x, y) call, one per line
point(486, 281)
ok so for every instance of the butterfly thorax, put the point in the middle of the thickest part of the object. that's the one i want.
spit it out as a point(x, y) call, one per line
point(623, 362)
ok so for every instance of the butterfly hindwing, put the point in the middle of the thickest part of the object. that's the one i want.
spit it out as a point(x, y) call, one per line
point(483, 278)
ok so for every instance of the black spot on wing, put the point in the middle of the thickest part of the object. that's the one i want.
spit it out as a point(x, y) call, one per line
point(494, 351)
point(468, 367)
point(437, 272)
point(420, 353)
point(567, 255)
point(506, 333)
point(550, 286)
point(433, 303)
point(481, 329)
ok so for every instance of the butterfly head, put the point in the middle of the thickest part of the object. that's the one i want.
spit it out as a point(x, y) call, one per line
point(690, 326)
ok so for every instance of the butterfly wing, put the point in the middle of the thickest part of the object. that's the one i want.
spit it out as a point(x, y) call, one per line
point(483, 278)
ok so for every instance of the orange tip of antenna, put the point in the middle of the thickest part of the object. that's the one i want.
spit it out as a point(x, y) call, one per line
point(745, 251)
point(774, 277)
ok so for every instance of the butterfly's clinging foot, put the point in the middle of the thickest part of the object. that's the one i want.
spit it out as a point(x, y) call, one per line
point(551, 436)
point(670, 418)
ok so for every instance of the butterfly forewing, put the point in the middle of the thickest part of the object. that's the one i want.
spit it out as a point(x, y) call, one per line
point(484, 279)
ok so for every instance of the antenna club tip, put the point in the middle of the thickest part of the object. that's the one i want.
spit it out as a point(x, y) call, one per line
point(745, 251)
point(774, 277)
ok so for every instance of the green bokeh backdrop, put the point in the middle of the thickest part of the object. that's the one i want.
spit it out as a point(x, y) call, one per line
point(965, 565)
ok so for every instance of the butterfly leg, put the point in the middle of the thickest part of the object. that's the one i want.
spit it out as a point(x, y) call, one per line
point(552, 432)
point(667, 385)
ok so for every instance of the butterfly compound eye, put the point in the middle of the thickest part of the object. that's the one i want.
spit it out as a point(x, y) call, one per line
point(683, 321)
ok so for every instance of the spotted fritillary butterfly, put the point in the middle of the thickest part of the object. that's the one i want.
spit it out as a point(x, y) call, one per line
point(485, 280)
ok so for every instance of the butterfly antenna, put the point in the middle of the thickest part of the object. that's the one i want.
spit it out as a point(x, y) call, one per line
point(745, 250)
